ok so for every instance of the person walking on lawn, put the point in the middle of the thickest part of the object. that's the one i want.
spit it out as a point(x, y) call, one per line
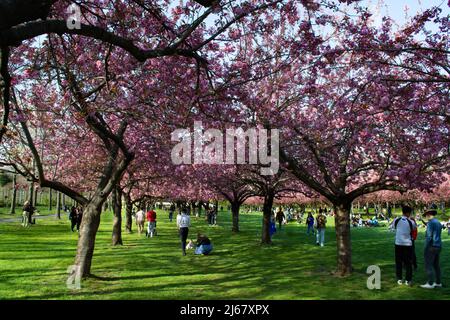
point(310, 223)
point(73, 218)
point(79, 210)
point(171, 211)
point(183, 224)
point(151, 228)
point(140, 220)
point(321, 222)
point(280, 217)
point(433, 246)
point(404, 228)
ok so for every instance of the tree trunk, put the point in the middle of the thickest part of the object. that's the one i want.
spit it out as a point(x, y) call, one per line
point(117, 222)
point(267, 212)
point(50, 204)
point(200, 204)
point(235, 205)
point(35, 204)
point(128, 213)
point(86, 241)
point(343, 241)
point(58, 205)
point(13, 197)
point(31, 193)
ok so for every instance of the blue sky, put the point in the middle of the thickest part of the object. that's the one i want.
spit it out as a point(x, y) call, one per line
point(396, 8)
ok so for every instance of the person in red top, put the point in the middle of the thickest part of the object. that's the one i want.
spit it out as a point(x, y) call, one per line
point(151, 218)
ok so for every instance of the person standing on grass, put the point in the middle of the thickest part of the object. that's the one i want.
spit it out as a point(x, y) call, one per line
point(310, 223)
point(433, 246)
point(209, 215)
point(404, 250)
point(213, 215)
point(73, 218)
point(79, 211)
point(280, 217)
point(272, 226)
point(151, 219)
point(171, 211)
point(321, 222)
point(140, 220)
point(183, 224)
point(27, 213)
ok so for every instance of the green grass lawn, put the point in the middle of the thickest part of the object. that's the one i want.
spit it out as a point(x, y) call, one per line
point(33, 264)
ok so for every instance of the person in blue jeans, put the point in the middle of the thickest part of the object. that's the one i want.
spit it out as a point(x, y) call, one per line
point(310, 223)
point(321, 221)
point(433, 246)
point(204, 245)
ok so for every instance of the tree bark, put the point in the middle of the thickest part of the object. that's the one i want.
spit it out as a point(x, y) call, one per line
point(58, 205)
point(14, 194)
point(200, 204)
point(235, 205)
point(35, 200)
point(50, 205)
point(343, 241)
point(267, 212)
point(128, 212)
point(31, 193)
point(117, 222)
point(86, 241)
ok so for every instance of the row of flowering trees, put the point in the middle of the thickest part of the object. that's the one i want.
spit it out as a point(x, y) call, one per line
point(89, 112)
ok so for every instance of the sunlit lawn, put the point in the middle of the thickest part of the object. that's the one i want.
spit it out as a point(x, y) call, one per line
point(33, 264)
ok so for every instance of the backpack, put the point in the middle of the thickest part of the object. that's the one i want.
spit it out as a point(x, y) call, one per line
point(413, 231)
point(321, 221)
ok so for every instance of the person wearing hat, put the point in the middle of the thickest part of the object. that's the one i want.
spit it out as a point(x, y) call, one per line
point(433, 245)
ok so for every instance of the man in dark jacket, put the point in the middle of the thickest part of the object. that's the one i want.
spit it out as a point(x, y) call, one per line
point(432, 251)
point(79, 217)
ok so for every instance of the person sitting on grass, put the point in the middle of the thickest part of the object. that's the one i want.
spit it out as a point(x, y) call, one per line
point(354, 222)
point(204, 245)
point(360, 221)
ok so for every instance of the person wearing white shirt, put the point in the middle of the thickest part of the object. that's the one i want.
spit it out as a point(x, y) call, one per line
point(404, 228)
point(140, 220)
point(183, 223)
